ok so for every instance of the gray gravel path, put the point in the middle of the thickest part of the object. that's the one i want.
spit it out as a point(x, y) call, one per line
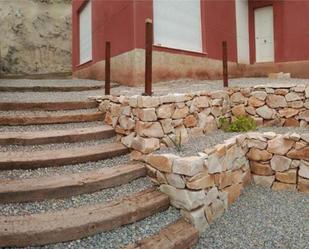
point(123, 235)
point(59, 146)
point(49, 82)
point(47, 127)
point(68, 169)
point(60, 112)
point(261, 219)
point(102, 196)
point(199, 144)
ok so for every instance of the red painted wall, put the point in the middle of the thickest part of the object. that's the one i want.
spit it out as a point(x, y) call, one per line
point(291, 29)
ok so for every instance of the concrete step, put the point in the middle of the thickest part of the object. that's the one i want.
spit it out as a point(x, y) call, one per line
point(42, 188)
point(52, 158)
point(179, 235)
point(76, 223)
point(47, 106)
point(56, 136)
point(55, 118)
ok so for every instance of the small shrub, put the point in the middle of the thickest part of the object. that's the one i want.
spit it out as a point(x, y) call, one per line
point(177, 141)
point(241, 124)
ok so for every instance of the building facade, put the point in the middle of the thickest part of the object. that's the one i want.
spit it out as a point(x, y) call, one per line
point(263, 36)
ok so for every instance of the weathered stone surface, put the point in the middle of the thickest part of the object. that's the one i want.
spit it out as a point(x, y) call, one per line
point(265, 112)
point(188, 166)
point(126, 123)
point(223, 179)
point(211, 195)
point(175, 180)
point(234, 192)
point(279, 145)
point(303, 185)
point(262, 169)
point(250, 110)
point(216, 111)
point(167, 125)
point(239, 111)
point(255, 102)
point(183, 198)
point(148, 101)
point(288, 176)
point(291, 122)
point(160, 177)
point(196, 132)
point(305, 137)
point(147, 114)
point(210, 124)
point(190, 121)
point(145, 145)
point(304, 169)
point(165, 111)
point(282, 92)
point(219, 94)
point(291, 96)
point(299, 154)
point(258, 155)
point(295, 164)
point(275, 101)
point(162, 162)
point(279, 186)
point(265, 181)
point(304, 115)
point(280, 163)
point(149, 129)
point(201, 181)
point(237, 98)
point(296, 104)
point(180, 112)
point(127, 140)
point(288, 112)
point(201, 101)
point(197, 218)
point(214, 163)
point(261, 95)
point(256, 144)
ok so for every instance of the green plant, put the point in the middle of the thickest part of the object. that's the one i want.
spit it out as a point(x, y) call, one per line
point(241, 124)
point(177, 141)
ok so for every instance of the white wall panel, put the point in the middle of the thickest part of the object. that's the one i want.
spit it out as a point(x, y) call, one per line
point(177, 24)
point(85, 34)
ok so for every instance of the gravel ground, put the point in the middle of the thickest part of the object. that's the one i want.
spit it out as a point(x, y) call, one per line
point(49, 82)
point(261, 219)
point(123, 235)
point(59, 112)
point(27, 128)
point(102, 196)
point(58, 146)
point(68, 169)
point(189, 85)
point(199, 144)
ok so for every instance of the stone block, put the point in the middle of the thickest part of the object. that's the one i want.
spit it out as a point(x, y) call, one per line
point(165, 111)
point(258, 155)
point(279, 145)
point(145, 145)
point(303, 185)
point(276, 101)
point(304, 169)
point(149, 129)
point(147, 114)
point(288, 176)
point(279, 186)
point(262, 169)
point(280, 163)
point(202, 180)
point(234, 191)
point(188, 166)
point(266, 181)
point(196, 218)
point(223, 179)
point(175, 180)
point(162, 162)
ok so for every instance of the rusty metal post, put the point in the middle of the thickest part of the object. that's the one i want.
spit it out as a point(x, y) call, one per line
point(224, 62)
point(148, 57)
point(107, 68)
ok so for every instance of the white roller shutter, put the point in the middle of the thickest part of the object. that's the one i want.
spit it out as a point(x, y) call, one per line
point(177, 24)
point(85, 34)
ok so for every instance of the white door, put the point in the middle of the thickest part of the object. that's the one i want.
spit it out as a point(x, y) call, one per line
point(264, 34)
point(177, 24)
point(85, 34)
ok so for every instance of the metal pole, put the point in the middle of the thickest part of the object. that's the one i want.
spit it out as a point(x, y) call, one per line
point(224, 62)
point(148, 57)
point(107, 68)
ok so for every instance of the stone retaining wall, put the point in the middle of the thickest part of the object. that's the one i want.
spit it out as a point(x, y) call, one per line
point(204, 186)
point(146, 123)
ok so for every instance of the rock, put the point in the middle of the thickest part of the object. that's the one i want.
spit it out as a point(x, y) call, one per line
point(258, 155)
point(255, 102)
point(160, 177)
point(128, 140)
point(201, 181)
point(210, 124)
point(220, 94)
point(234, 192)
point(162, 162)
point(237, 98)
point(246, 177)
point(304, 169)
point(291, 96)
point(260, 95)
point(307, 92)
point(216, 111)
point(239, 111)
point(291, 122)
point(190, 121)
point(126, 122)
point(149, 129)
point(265, 181)
point(183, 198)
point(147, 101)
point(294, 136)
point(180, 112)
point(265, 112)
point(175, 180)
point(137, 156)
point(295, 164)
point(299, 154)
point(282, 92)
point(288, 112)
point(167, 125)
point(305, 137)
point(211, 195)
point(250, 110)
point(182, 134)
point(303, 185)
point(145, 145)
point(304, 115)
point(279, 186)
point(165, 111)
point(276, 101)
point(147, 114)
point(262, 169)
point(188, 166)
point(296, 104)
point(217, 208)
point(196, 218)
point(280, 163)
point(196, 132)
point(279, 145)
point(115, 109)
point(223, 179)
point(288, 176)
point(214, 164)
point(256, 144)
point(201, 101)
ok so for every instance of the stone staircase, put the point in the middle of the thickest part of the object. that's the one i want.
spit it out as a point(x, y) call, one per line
point(64, 177)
